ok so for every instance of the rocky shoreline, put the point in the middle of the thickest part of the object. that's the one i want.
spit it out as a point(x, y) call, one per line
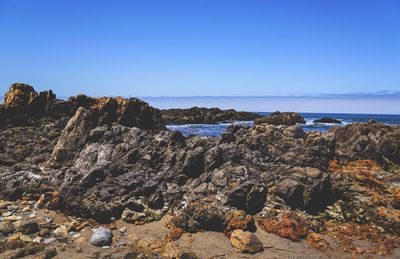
point(111, 162)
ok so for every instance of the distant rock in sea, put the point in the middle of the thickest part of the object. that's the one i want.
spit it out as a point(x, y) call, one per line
point(196, 115)
point(327, 120)
point(281, 118)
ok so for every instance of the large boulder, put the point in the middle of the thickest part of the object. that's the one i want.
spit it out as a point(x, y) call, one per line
point(281, 118)
point(245, 242)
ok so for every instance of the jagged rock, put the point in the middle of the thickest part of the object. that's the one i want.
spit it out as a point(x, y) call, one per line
point(327, 120)
point(247, 197)
point(370, 140)
point(281, 118)
point(196, 115)
point(74, 136)
point(292, 192)
point(245, 242)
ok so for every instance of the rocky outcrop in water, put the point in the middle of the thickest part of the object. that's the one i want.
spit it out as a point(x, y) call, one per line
point(196, 115)
point(281, 118)
point(327, 120)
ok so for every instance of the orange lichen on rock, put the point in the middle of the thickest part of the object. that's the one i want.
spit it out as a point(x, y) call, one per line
point(175, 233)
point(347, 233)
point(318, 241)
point(239, 220)
point(289, 225)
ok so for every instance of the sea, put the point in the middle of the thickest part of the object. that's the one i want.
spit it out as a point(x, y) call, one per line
point(211, 130)
point(347, 109)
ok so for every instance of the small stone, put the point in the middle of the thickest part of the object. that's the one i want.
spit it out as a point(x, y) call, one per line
point(101, 237)
point(106, 247)
point(28, 228)
point(120, 244)
point(32, 215)
point(49, 253)
point(12, 218)
point(7, 214)
point(37, 240)
point(18, 223)
point(6, 228)
point(122, 229)
point(25, 238)
point(25, 209)
point(5, 204)
point(61, 231)
point(48, 220)
point(11, 245)
point(44, 232)
point(245, 242)
point(49, 241)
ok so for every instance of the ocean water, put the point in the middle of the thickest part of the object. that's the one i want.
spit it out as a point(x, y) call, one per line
point(210, 130)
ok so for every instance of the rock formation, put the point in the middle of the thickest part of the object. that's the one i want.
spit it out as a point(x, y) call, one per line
point(327, 120)
point(281, 118)
point(196, 115)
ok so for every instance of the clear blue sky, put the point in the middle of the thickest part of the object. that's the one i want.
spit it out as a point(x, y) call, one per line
point(201, 47)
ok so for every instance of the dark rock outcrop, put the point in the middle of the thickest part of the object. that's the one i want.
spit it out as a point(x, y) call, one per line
point(24, 106)
point(196, 115)
point(281, 118)
point(371, 140)
point(327, 120)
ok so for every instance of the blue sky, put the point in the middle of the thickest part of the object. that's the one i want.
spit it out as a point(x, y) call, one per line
point(201, 47)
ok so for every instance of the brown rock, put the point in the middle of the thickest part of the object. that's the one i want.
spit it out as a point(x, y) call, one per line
point(245, 242)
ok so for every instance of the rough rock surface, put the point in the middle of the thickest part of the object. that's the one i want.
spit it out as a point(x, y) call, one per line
point(196, 115)
point(23, 106)
point(371, 140)
point(281, 118)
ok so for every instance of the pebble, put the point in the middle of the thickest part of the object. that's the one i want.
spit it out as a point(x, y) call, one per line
point(7, 214)
point(25, 238)
point(44, 232)
point(101, 237)
point(48, 220)
point(32, 215)
point(61, 231)
point(122, 229)
point(37, 240)
point(12, 218)
point(49, 241)
point(120, 244)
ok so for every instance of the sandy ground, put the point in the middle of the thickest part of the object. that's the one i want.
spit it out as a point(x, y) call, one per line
point(152, 238)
